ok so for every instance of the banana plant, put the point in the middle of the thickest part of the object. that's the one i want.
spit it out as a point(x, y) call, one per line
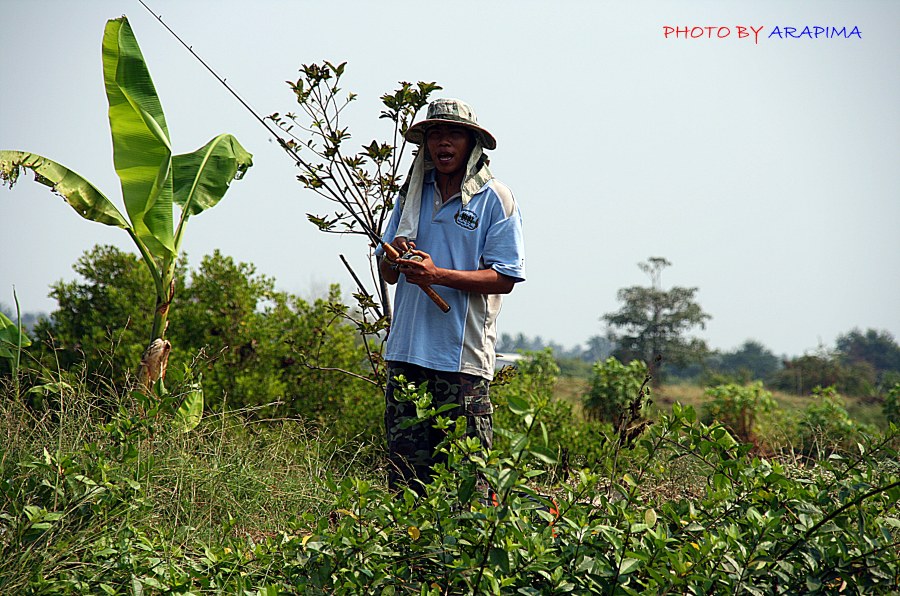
point(153, 180)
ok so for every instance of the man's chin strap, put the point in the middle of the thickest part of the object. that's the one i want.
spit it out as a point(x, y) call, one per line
point(477, 175)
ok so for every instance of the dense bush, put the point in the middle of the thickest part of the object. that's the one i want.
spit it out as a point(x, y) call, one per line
point(252, 344)
point(891, 406)
point(133, 504)
point(738, 408)
point(825, 427)
point(803, 374)
point(878, 350)
point(575, 442)
point(103, 319)
point(613, 386)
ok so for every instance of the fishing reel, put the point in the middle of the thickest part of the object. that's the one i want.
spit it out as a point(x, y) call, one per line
point(393, 255)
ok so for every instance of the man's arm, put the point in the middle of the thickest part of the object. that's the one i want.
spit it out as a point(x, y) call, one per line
point(481, 281)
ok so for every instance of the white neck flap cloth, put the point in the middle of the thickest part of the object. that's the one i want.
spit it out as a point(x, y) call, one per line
point(477, 175)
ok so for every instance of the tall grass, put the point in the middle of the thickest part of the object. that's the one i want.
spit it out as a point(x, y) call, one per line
point(100, 492)
point(84, 471)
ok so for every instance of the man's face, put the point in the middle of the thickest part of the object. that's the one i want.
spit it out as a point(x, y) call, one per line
point(449, 146)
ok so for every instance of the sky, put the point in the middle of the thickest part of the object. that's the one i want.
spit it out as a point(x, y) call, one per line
point(764, 168)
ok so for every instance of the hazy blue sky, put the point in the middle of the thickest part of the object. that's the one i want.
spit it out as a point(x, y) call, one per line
point(766, 172)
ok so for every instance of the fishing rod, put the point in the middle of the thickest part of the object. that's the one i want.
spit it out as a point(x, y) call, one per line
point(389, 250)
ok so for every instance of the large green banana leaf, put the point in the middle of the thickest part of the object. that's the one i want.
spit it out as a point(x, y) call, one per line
point(83, 196)
point(201, 178)
point(142, 151)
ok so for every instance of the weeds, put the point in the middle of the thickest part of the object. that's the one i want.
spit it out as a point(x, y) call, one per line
point(120, 500)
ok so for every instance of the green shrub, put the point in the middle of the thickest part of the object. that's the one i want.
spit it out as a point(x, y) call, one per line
point(231, 507)
point(613, 387)
point(825, 426)
point(574, 441)
point(254, 345)
point(891, 408)
point(738, 408)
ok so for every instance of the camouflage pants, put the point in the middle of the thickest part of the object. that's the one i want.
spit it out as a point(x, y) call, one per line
point(411, 451)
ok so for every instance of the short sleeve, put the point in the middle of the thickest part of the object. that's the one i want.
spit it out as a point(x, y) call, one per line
point(504, 248)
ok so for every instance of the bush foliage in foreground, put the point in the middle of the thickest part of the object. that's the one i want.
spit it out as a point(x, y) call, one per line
point(127, 503)
point(253, 345)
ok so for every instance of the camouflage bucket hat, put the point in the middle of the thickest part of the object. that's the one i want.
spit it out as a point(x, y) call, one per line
point(450, 111)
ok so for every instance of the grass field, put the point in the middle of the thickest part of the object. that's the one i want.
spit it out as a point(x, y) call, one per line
point(114, 501)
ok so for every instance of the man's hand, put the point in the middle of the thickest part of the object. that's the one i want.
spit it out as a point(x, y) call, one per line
point(402, 245)
point(419, 269)
point(422, 271)
point(387, 266)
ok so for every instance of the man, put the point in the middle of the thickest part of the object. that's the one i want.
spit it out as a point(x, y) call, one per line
point(463, 230)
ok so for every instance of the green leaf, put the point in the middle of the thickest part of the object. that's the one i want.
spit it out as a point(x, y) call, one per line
point(507, 479)
point(518, 405)
point(467, 489)
point(10, 338)
point(629, 565)
point(201, 178)
point(499, 559)
point(191, 410)
point(142, 152)
point(83, 196)
point(544, 454)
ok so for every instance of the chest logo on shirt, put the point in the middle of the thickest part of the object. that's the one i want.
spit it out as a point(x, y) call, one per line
point(467, 219)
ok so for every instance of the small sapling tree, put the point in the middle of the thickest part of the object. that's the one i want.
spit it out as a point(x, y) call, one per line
point(360, 183)
point(153, 179)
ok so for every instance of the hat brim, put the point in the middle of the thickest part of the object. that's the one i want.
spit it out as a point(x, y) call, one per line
point(416, 132)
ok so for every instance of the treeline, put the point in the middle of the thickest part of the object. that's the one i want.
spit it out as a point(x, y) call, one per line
point(861, 363)
point(271, 347)
point(573, 362)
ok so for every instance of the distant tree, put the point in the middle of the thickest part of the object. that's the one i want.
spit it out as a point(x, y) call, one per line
point(29, 319)
point(752, 359)
point(597, 348)
point(875, 348)
point(803, 374)
point(653, 323)
point(520, 342)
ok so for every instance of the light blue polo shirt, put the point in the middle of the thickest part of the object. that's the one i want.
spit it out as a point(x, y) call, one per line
point(486, 234)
